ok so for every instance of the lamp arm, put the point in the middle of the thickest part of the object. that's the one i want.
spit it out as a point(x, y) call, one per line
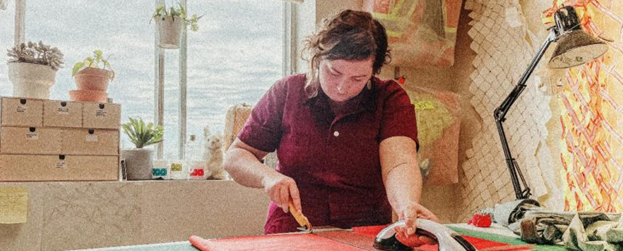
point(500, 112)
point(500, 116)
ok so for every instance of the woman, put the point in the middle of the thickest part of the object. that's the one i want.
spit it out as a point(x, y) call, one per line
point(346, 140)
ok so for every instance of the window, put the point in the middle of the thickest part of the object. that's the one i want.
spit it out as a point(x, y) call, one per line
point(234, 57)
point(7, 17)
point(123, 33)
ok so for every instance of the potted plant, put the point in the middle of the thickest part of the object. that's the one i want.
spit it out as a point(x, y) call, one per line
point(139, 161)
point(170, 22)
point(92, 75)
point(32, 69)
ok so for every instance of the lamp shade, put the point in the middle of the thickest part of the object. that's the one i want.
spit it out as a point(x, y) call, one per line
point(575, 47)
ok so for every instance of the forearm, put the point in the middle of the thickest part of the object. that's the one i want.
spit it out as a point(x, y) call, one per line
point(401, 174)
point(246, 169)
point(403, 184)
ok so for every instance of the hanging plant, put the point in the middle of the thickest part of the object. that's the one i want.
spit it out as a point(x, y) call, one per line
point(170, 21)
point(162, 12)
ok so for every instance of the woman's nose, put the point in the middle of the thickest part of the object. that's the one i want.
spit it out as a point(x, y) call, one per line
point(341, 87)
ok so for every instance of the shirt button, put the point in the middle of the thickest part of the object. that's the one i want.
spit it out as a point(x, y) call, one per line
point(336, 133)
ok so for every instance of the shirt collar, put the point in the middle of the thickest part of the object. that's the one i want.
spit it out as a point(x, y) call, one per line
point(366, 100)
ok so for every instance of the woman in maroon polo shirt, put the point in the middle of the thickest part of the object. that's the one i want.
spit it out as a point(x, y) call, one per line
point(346, 140)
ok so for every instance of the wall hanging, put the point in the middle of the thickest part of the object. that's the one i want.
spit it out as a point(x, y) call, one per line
point(421, 33)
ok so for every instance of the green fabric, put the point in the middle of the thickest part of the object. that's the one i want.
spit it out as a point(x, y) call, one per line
point(591, 232)
point(505, 239)
point(614, 235)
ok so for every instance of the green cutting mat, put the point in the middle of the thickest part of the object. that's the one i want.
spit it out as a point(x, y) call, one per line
point(505, 239)
point(171, 246)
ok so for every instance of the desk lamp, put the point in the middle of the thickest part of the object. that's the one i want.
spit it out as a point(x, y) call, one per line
point(574, 47)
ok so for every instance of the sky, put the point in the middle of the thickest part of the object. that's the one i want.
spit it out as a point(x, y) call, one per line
point(234, 57)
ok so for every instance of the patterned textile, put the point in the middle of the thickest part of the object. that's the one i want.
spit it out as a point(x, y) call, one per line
point(421, 33)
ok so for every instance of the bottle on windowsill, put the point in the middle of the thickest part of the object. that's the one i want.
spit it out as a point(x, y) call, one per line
point(194, 159)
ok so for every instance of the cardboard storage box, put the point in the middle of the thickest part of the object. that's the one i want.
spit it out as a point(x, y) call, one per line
point(21, 112)
point(101, 115)
point(58, 168)
point(30, 140)
point(82, 141)
point(62, 113)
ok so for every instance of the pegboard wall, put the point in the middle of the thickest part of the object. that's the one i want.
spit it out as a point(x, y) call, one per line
point(504, 48)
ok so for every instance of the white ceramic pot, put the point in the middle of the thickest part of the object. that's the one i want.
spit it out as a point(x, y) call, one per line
point(31, 80)
point(169, 30)
point(138, 163)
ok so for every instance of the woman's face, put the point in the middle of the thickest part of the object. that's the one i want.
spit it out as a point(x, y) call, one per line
point(342, 80)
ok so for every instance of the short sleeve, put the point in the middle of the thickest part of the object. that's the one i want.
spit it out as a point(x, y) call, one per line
point(263, 128)
point(398, 118)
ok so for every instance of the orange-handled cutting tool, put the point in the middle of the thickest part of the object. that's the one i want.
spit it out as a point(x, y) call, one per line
point(299, 217)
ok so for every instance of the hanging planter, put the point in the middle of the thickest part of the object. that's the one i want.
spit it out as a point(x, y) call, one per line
point(170, 23)
point(32, 69)
point(169, 30)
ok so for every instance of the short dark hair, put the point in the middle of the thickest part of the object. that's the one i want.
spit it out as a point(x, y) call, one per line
point(349, 35)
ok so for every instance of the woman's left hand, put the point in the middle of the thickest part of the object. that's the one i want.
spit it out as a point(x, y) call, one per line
point(409, 215)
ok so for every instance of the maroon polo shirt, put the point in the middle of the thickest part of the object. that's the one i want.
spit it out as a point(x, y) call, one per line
point(334, 158)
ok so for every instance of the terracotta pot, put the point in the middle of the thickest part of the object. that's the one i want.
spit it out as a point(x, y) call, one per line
point(31, 80)
point(138, 163)
point(93, 79)
point(88, 96)
point(169, 30)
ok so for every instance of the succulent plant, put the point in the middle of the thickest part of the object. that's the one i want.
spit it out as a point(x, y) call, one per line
point(142, 134)
point(36, 53)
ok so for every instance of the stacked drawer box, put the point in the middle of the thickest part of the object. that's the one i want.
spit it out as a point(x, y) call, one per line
point(48, 140)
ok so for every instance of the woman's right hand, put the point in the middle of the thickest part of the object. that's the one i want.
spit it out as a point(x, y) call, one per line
point(282, 189)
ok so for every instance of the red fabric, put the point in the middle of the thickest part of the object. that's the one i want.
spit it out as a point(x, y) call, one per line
point(334, 158)
point(291, 242)
point(370, 231)
point(361, 238)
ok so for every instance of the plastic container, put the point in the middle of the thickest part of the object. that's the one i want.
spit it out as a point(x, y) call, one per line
point(178, 170)
point(194, 159)
point(161, 169)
